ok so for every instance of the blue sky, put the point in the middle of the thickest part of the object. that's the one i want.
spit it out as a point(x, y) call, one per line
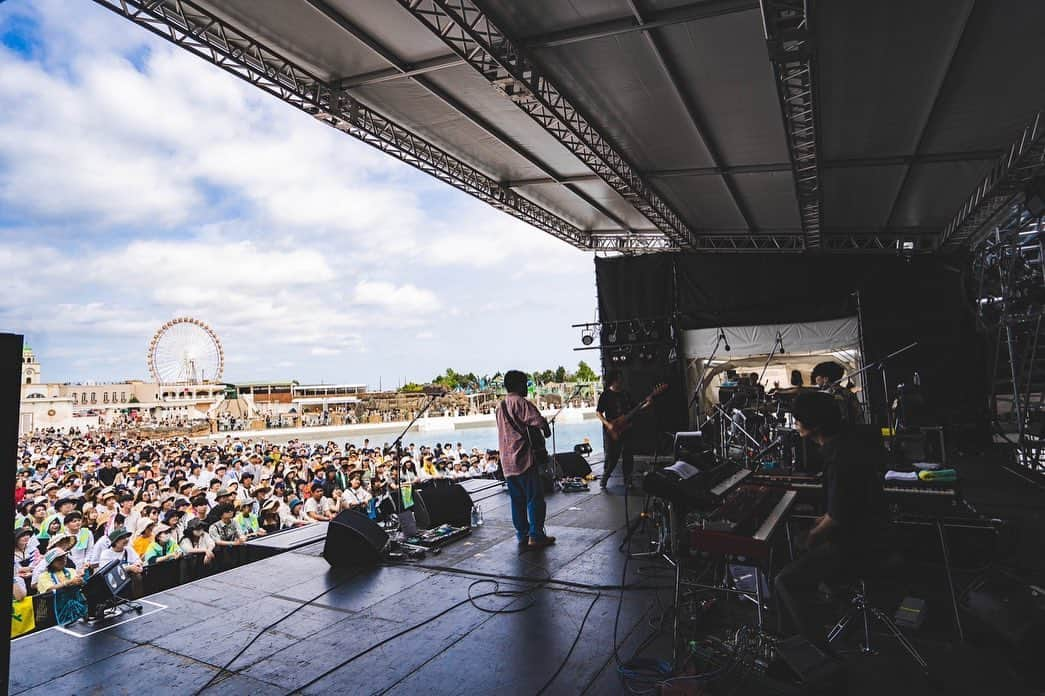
point(138, 183)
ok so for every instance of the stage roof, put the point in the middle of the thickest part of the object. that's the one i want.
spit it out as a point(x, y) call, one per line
point(633, 125)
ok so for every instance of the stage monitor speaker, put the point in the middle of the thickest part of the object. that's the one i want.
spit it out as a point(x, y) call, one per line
point(443, 505)
point(106, 582)
point(1010, 609)
point(572, 464)
point(354, 540)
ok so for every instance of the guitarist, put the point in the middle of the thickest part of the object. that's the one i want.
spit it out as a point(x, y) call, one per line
point(613, 403)
point(521, 430)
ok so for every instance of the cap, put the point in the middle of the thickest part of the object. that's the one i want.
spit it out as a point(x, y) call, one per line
point(117, 534)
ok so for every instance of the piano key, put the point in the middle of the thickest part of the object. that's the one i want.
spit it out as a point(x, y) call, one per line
point(727, 484)
point(774, 518)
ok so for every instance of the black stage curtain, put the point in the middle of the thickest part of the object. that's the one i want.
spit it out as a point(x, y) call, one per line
point(902, 300)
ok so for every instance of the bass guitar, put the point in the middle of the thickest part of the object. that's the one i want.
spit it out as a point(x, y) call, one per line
point(621, 424)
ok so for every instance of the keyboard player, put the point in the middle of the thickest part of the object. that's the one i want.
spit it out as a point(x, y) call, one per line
point(853, 526)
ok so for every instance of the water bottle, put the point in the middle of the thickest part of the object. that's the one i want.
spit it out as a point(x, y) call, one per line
point(917, 380)
point(480, 509)
point(475, 515)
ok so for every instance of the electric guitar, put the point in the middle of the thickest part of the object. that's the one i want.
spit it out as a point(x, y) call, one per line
point(620, 425)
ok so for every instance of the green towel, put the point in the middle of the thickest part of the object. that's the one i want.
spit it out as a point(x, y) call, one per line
point(941, 475)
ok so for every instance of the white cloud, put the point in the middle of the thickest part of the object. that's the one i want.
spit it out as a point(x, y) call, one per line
point(404, 299)
point(138, 183)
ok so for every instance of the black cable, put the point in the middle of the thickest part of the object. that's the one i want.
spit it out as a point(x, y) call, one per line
point(469, 599)
point(225, 668)
point(569, 652)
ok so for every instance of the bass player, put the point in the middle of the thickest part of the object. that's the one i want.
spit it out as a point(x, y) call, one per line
point(614, 402)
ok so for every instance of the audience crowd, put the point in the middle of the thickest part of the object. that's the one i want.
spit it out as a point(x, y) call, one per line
point(85, 499)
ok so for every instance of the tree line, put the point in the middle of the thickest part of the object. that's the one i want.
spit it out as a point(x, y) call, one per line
point(469, 381)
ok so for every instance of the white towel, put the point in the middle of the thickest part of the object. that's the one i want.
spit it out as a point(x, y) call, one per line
point(901, 475)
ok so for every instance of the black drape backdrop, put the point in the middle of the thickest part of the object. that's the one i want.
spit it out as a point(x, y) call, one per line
point(902, 300)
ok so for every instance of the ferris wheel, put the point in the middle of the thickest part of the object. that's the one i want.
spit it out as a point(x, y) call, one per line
point(185, 351)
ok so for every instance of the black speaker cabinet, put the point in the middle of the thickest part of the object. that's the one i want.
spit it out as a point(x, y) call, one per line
point(572, 464)
point(443, 505)
point(354, 540)
point(105, 583)
point(1009, 609)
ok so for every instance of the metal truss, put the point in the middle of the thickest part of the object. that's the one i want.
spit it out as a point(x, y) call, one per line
point(883, 242)
point(470, 33)
point(1010, 270)
point(205, 35)
point(1000, 193)
point(790, 41)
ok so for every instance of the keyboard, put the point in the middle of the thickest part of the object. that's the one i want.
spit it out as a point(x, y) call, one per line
point(745, 522)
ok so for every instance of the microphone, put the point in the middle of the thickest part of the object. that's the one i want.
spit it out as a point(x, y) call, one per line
point(434, 390)
point(780, 342)
point(722, 335)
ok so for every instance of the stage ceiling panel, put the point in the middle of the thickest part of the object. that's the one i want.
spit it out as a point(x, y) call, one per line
point(703, 199)
point(859, 196)
point(878, 71)
point(631, 102)
point(723, 69)
point(933, 192)
point(662, 116)
point(775, 193)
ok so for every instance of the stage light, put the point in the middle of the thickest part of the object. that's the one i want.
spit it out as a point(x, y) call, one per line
point(652, 331)
point(647, 354)
point(610, 334)
point(587, 336)
point(633, 332)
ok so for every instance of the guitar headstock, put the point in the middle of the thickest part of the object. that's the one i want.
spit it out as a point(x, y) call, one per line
point(658, 390)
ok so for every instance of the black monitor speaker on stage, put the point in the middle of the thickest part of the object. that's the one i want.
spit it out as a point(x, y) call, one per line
point(443, 505)
point(354, 540)
point(106, 583)
point(572, 464)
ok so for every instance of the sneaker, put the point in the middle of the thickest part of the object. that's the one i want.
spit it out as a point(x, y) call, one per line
point(602, 484)
point(542, 542)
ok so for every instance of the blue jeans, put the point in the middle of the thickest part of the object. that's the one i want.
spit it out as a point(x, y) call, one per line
point(528, 508)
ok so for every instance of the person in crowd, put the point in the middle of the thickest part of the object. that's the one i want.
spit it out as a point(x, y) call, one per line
point(143, 536)
point(163, 547)
point(84, 539)
point(247, 521)
point(356, 496)
point(119, 548)
point(197, 541)
point(25, 554)
point(318, 507)
point(55, 575)
point(224, 532)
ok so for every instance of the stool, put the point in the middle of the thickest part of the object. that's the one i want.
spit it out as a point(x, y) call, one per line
point(860, 608)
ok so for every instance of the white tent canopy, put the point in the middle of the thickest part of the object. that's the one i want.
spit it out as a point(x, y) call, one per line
point(831, 336)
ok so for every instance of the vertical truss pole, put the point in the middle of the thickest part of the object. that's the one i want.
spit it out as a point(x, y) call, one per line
point(791, 50)
point(470, 33)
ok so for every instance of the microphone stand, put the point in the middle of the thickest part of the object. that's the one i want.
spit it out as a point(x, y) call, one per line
point(695, 399)
point(779, 343)
point(398, 501)
point(880, 364)
point(551, 422)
